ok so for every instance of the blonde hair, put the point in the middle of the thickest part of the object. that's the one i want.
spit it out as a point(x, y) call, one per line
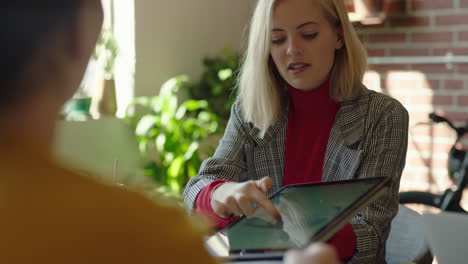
point(261, 88)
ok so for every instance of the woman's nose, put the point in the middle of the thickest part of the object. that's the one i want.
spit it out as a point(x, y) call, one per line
point(294, 48)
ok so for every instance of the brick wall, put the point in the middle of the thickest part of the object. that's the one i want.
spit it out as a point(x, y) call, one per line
point(423, 28)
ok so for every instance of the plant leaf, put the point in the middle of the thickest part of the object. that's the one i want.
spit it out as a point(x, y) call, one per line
point(176, 167)
point(224, 74)
point(191, 150)
point(160, 141)
point(146, 123)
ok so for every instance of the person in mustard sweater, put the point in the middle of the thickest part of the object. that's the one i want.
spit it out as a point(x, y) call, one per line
point(51, 214)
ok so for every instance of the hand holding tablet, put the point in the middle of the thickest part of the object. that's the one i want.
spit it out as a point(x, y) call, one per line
point(236, 199)
point(310, 212)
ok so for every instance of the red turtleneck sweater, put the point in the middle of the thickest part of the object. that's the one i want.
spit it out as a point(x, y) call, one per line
point(311, 117)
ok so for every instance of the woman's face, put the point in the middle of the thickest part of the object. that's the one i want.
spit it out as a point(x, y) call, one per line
point(303, 43)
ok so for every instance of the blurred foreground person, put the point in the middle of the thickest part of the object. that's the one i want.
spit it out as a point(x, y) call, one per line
point(51, 214)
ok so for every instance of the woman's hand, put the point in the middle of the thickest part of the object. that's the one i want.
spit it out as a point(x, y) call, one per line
point(235, 199)
point(317, 253)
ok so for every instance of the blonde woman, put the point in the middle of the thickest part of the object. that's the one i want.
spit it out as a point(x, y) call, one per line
point(303, 115)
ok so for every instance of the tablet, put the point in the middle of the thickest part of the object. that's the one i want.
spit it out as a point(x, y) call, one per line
point(310, 212)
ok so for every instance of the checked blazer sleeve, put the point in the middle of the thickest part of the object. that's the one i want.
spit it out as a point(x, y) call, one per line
point(228, 162)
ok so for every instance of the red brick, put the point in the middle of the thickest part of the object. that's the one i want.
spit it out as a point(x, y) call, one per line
point(425, 146)
point(462, 100)
point(463, 68)
point(394, 6)
point(422, 117)
point(372, 84)
point(428, 128)
point(455, 116)
point(432, 68)
point(454, 51)
point(442, 100)
point(431, 4)
point(411, 83)
point(464, 3)
point(376, 52)
point(418, 176)
point(405, 21)
point(431, 84)
point(409, 52)
point(403, 99)
point(453, 84)
point(387, 37)
point(432, 100)
point(463, 36)
point(446, 20)
point(396, 83)
point(442, 131)
point(429, 163)
point(364, 38)
point(432, 37)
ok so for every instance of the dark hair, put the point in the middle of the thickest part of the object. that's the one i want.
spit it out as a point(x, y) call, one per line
point(26, 25)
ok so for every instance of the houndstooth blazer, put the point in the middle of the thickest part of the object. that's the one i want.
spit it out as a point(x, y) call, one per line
point(368, 139)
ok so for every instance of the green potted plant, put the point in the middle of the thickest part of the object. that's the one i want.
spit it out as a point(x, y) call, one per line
point(217, 82)
point(170, 134)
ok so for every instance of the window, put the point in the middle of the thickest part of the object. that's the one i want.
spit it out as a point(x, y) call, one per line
point(119, 18)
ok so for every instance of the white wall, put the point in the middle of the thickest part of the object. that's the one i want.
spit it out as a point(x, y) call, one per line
point(173, 36)
point(124, 29)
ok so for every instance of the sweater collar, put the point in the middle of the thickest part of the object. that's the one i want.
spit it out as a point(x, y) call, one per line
point(316, 100)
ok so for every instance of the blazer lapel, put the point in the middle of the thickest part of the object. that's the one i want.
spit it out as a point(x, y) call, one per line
point(275, 135)
point(344, 149)
point(276, 130)
point(350, 120)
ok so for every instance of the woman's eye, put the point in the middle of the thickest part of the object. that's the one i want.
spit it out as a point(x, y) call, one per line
point(310, 36)
point(277, 41)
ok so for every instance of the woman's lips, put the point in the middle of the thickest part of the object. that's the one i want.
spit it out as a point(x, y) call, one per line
point(297, 68)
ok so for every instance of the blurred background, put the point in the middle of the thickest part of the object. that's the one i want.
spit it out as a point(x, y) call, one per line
point(166, 70)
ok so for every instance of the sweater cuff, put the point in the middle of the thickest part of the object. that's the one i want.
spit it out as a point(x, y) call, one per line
point(344, 241)
point(203, 205)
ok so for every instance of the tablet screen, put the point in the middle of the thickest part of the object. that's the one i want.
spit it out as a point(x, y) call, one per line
point(305, 209)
